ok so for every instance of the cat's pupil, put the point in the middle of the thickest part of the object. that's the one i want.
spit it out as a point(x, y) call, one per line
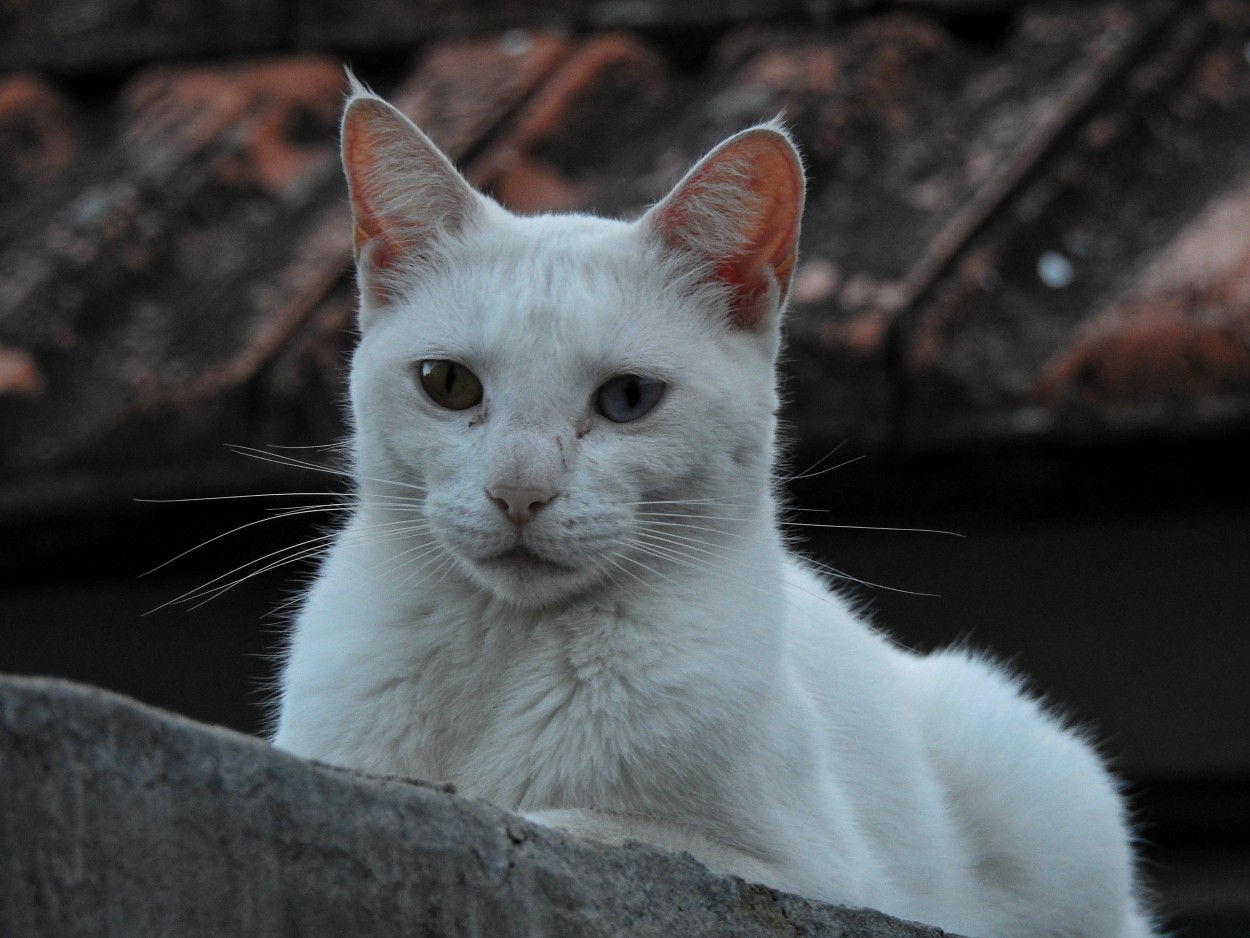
point(628, 397)
point(449, 384)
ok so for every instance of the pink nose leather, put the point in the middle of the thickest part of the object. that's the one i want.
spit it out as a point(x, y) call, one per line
point(519, 504)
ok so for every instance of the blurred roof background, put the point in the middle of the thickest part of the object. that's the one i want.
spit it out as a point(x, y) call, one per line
point(1023, 296)
point(1026, 223)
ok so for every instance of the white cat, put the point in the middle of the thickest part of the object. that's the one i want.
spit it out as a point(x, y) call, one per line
point(563, 586)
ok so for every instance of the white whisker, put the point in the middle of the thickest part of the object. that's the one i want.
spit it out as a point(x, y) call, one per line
point(693, 543)
point(411, 557)
point(812, 469)
point(703, 547)
point(287, 513)
point(340, 445)
point(676, 526)
point(868, 527)
point(280, 459)
point(842, 575)
point(752, 493)
point(678, 518)
point(812, 473)
point(224, 498)
point(683, 587)
point(207, 591)
point(615, 562)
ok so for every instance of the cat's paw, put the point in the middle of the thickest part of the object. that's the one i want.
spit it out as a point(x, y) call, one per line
point(583, 822)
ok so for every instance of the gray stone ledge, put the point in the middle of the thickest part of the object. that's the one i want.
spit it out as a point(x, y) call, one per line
point(118, 819)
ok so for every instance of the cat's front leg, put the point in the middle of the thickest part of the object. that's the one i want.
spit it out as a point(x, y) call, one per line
point(619, 828)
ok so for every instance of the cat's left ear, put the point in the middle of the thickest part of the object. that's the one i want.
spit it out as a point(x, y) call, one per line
point(738, 211)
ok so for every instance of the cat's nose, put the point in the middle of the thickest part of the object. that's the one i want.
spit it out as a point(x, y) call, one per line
point(519, 504)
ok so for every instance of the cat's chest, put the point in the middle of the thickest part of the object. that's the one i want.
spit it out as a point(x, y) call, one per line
point(515, 708)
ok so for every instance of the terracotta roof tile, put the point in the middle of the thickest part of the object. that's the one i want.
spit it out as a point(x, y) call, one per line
point(465, 89)
point(38, 137)
point(160, 279)
point(1176, 349)
point(1035, 238)
point(559, 152)
point(1091, 266)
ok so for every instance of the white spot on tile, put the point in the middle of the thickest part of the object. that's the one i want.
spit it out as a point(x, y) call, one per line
point(515, 42)
point(1055, 270)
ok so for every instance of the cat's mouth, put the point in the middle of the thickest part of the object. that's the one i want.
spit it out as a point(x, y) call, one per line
point(522, 559)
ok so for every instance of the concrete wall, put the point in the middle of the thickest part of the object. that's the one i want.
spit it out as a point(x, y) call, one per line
point(117, 819)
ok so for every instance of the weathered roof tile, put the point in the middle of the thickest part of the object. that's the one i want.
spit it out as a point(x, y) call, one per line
point(160, 276)
point(1019, 341)
point(38, 138)
point(465, 89)
point(560, 151)
point(1037, 237)
point(1176, 349)
point(110, 33)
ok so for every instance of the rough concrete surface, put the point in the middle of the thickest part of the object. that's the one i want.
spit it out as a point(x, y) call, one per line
point(118, 819)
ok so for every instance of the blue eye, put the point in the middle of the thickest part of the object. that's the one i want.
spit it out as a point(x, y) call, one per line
point(628, 397)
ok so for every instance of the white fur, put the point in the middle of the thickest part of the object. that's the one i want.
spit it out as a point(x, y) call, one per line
point(680, 677)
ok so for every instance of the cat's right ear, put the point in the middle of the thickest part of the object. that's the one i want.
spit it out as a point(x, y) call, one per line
point(406, 196)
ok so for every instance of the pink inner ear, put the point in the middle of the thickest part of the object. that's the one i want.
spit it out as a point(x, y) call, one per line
point(379, 240)
point(748, 197)
point(405, 193)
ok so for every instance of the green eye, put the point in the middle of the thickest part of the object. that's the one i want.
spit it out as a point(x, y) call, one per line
point(449, 384)
point(628, 397)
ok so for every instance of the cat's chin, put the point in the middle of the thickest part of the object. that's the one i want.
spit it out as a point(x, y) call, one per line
point(521, 577)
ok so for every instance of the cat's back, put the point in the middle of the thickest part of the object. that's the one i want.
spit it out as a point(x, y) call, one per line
point(948, 749)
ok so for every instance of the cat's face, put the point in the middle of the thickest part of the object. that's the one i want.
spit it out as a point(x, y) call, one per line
point(561, 405)
point(567, 401)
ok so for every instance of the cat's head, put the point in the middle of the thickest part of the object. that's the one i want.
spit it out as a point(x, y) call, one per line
point(566, 400)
